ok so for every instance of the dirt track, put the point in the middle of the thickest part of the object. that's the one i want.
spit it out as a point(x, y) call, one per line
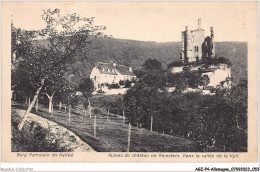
point(69, 139)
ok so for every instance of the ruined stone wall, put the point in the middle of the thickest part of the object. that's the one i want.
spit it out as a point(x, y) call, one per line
point(195, 46)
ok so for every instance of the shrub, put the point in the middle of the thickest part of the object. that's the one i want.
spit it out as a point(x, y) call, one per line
point(175, 64)
point(128, 84)
point(121, 82)
point(34, 138)
point(216, 61)
point(113, 86)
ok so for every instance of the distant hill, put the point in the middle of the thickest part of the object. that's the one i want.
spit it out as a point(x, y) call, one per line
point(236, 52)
point(134, 53)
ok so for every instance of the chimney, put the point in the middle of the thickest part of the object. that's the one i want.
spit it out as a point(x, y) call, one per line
point(114, 64)
point(130, 69)
point(199, 23)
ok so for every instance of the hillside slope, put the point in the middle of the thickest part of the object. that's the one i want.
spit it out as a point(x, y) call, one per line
point(134, 53)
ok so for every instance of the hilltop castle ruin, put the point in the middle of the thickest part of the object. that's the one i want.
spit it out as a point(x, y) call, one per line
point(195, 46)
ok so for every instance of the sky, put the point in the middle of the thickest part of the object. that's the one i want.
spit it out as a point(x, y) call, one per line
point(148, 21)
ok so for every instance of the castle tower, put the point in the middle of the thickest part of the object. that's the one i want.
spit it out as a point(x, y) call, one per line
point(192, 41)
point(185, 45)
point(199, 24)
point(212, 42)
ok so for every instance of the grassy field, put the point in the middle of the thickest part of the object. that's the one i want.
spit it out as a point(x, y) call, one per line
point(112, 133)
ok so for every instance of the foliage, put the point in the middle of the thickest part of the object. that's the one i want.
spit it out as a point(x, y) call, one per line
point(175, 64)
point(86, 87)
point(113, 86)
point(220, 60)
point(46, 65)
point(139, 73)
point(186, 79)
point(121, 82)
point(210, 120)
point(69, 97)
point(152, 74)
point(34, 138)
point(154, 79)
point(152, 64)
point(126, 83)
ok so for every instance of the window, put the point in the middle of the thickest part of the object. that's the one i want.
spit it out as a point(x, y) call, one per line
point(95, 78)
point(196, 48)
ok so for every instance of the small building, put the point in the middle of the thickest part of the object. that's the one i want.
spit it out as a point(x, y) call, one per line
point(110, 73)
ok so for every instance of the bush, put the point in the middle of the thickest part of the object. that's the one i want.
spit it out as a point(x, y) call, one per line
point(113, 86)
point(34, 138)
point(175, 64)
point(216, 61)
point(122, 82)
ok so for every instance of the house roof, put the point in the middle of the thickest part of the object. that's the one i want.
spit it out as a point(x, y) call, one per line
point(107, 68)
point(110, 69)
point(123, 70)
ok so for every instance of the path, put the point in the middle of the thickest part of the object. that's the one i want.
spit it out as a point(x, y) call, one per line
point(68, 138)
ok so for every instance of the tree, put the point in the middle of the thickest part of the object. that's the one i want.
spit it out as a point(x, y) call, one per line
point(20, 44)
point(175, 64)
point(86, 87)
point(55, 86)
point(66, 35)
point(177, 80)
point(155, 79)
point(22, 84)
point(205, 80)
point(152, 64)
point(237, 97)
point(140, 73)
point(194, 79)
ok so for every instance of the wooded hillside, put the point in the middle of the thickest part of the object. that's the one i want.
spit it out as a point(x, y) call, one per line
point(134, 53)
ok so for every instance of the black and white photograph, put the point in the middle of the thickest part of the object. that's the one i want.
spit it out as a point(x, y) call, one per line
point(131, 77)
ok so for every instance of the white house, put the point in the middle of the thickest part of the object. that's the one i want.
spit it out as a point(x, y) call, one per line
point(219, 75)
point(110, 73)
